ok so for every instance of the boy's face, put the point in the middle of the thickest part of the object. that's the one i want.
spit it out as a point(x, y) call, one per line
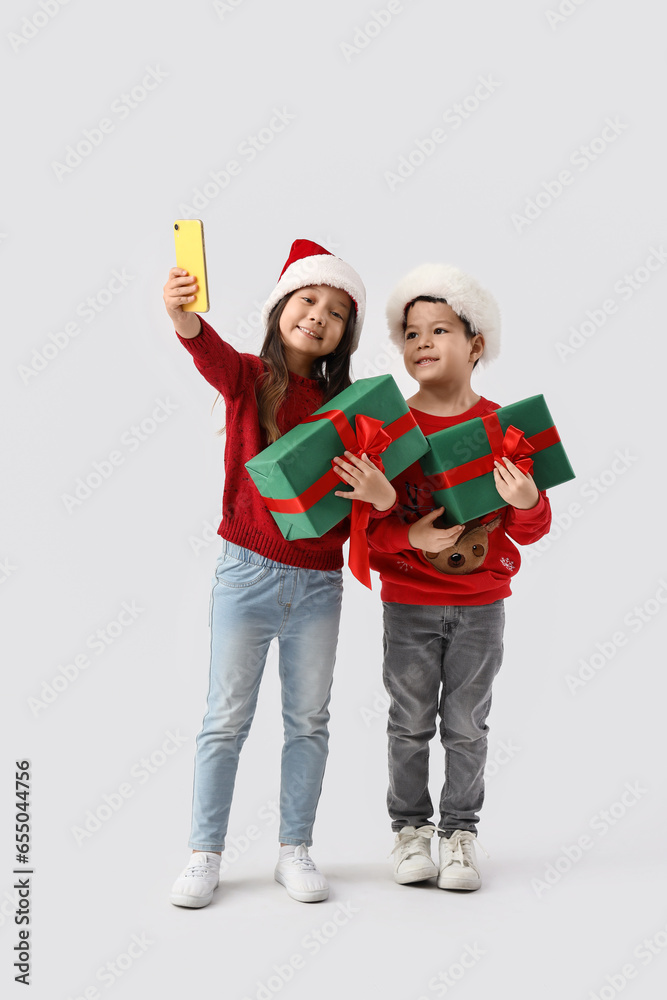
point(437, 349)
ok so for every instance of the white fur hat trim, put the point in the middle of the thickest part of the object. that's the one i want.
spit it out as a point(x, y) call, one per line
point(463, 294)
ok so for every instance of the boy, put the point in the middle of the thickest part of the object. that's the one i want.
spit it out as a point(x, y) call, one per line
point(443, 590)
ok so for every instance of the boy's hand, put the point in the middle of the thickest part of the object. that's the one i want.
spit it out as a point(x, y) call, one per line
point(178, 291)
point(369, 483)
point(516, 488)
point(422, 534)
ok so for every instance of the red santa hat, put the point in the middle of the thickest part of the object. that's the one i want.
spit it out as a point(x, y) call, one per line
point(461, 292)
point(310, 264)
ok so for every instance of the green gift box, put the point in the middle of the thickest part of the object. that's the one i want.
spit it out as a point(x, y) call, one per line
point(294, 474)
point(459, 466)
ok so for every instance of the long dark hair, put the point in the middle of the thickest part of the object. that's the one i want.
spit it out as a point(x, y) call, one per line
point(332, 371)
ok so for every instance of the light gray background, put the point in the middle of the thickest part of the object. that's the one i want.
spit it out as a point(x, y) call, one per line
point(67, 573)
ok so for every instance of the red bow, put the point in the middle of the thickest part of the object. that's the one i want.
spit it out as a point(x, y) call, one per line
point(513, 444)
point(371, 440)
point(369, 437)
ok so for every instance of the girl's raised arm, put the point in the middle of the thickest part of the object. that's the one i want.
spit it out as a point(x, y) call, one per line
point(222, 365)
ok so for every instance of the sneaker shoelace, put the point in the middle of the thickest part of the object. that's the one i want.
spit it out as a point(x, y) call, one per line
point(460, 844)
point(200, 869)
point(408, 843)
point(304, 863)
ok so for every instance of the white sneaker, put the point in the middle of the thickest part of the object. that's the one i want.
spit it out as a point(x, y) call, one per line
point(458, 864)
point(198, 880)
point(300, 876)
point(413, 861)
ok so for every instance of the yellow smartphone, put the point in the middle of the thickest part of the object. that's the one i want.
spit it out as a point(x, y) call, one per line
point(191, 256)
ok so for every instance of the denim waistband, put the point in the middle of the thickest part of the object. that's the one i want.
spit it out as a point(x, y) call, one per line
point(249, 556)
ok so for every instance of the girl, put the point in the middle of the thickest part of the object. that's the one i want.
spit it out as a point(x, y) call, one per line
point(265, 586)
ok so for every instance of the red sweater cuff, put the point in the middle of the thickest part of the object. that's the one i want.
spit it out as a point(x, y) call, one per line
point(389, 534)
point(536, 513)
point(374, 513)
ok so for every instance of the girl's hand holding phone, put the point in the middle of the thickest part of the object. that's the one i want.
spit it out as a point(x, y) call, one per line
point(178, 291)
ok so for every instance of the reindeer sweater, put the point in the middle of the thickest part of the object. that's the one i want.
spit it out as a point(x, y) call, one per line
point(408, 577)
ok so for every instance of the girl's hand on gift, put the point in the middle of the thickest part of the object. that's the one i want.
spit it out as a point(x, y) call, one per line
point(368, 482)
point(515, 487)
point(178, 291)
point(423, 535)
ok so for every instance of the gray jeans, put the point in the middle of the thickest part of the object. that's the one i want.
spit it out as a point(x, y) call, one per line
point(439, 661)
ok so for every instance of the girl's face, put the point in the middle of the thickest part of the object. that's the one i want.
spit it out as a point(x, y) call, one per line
point(437, 349)
point(312, 325)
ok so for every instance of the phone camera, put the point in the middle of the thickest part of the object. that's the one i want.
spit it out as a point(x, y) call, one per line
point(175, 225)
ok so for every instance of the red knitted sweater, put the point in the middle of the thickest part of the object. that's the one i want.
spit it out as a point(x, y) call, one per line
point(246, 520)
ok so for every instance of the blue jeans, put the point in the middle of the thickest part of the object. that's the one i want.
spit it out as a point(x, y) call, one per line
point(253, 601)
point(439, 661)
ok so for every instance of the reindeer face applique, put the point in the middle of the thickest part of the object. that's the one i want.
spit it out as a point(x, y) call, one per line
point(468, 552)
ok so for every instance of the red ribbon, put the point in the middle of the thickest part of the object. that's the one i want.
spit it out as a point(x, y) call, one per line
point(371, 438)
point(513, 445)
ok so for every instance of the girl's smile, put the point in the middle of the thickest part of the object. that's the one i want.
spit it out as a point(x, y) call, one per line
point(309, 333)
